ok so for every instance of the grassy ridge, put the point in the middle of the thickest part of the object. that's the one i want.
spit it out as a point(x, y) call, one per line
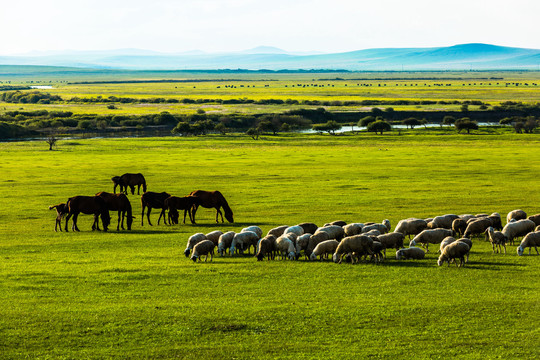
point(134, 295)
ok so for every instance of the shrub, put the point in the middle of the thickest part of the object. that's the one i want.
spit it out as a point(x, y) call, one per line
point(379, 126)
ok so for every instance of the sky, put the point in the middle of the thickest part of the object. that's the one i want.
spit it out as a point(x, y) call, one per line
point(294, 25)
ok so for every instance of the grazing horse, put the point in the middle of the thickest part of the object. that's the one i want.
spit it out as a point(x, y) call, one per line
point(120, 203)
point(175, 203)
point(61, 211)
point(88, 205)
point(117, 181)
point(132, 180)
point(212, 199)
point(153, 200)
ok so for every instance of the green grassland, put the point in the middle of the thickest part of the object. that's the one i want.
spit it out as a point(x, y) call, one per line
point(95, 295)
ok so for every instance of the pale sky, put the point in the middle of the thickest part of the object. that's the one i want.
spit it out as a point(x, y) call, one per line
point(292, 25)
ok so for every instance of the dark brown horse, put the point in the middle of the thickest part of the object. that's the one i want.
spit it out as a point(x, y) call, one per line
point(132, 180)
point(61, 211)
point(117, 181)
point(153, 200)
point(175, 203)
point(120, 203)
point(88, 205)
point(212, 199)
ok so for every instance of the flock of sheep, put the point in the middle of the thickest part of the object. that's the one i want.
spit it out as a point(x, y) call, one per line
point(359, 240)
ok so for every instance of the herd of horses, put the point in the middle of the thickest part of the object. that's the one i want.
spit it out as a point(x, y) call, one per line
point(103, 202)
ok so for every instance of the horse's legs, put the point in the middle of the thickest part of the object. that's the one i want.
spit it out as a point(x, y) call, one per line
point(67, 219)
point(95, 225)
point(162, 213)
point(118, 225)
point(148, 215)
point(193, 212)
point(219, 213)
point(74, 226)
point(132, 188)
point(138, 188)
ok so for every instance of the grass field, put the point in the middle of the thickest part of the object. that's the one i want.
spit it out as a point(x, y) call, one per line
point(96, 295)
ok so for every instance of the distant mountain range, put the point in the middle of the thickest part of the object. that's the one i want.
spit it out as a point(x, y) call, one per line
point(458, 57)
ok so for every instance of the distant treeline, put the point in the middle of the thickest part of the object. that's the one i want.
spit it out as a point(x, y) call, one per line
point(13, 87)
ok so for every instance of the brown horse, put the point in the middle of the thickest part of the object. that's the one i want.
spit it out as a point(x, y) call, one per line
point(130, 180)
point(175, 203)
point(61, 211)
point(153, 200)
point(117, 181)
point(88, 205)
point(120, 203)
point(212, 199)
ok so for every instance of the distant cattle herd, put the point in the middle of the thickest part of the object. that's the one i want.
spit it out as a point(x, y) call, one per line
point(352, 242)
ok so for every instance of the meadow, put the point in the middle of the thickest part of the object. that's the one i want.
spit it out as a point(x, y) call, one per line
point(95, 295)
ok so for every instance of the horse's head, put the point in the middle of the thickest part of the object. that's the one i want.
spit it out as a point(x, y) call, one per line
point(229, 216)
point(129, 221)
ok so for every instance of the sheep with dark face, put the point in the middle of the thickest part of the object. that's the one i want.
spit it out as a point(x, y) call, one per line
point(496, 238)
point(378, 248)
point(442, 222)
point(192, 241)
point(459, 226)
point(430, 236)
point(455, 250)
point(411, 226)
point(517, 228)
point(414, 253)
point(323, 249)
point(477, 227)
point(314, 240)
point(529, 241)
point(205, 247)
point(392, 240)
point(516, 215)
point(225, 242)
point(358, 244)
point(266, 247)
point(302, 243)
point(309, 228)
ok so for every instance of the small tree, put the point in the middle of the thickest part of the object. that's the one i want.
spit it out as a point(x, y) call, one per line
point(365, 121)
point(379, 126)
point(331, 127)
point(254, 133)
point(221, 128)
point(448, 120)
point(466, 124)
point(183, 128)
point(530, 124)
point(412, 122)
point(51, 140)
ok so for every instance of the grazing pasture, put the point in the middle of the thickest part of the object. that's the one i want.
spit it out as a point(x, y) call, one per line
point(133, 294)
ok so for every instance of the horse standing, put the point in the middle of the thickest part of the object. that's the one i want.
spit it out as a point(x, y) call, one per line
point(153, 200)
point(117, 181)
point(212, 199)
point(61, 211)
point(88, 205)
point(120, 203)
point(175, 203)
point(132, 180)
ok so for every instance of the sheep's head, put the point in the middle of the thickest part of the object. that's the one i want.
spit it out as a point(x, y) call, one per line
point(312, 257)
point(187, 251)
point(386, 223)
point(194, 258)
point(440, 261)
point(292, 255)
point(520, 250)
point(399, 254)
point(335, 257)
point(232, 250)
point(412, 243)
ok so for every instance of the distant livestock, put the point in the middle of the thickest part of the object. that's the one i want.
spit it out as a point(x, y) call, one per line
point(93, 205)
point(414, 253)
point(430, 236)
point(129, 180)
point(61, 212)
point(120, 203)
point(411, 226)
point(153, 200)
point(213, 199)
point(529, 241)
point(516, 215)
point(455, 250)
point(205, 247)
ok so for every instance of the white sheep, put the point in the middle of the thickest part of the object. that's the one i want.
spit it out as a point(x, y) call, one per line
point(214, 236)
point(314, 240)
point(205, 247)
point(411, 226)
point(469, 243)
point(324, 249)
point(357, 244)
point(530, 240)
point(372, 233)
point(285, 246)
point(496, 238)
point(392, 240)
point(430, 236)
point(277, 231)
point(414, 253)
point(192, 241)
point(442, 222)
point(244, 240)
point(446, 241)
point(517, 228)
point(535, 219)
point(333, 231)
point(266, 247)
point(302, 243)
point(296, 229)
point(455, 250)
point(353, 229)
point(516, 215)
point(383, 227)
point(225, 241)
point(257, 230)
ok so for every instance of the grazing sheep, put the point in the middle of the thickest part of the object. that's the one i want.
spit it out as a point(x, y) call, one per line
point(468, 242)
point(333, 231)
point(383, 228)
point(192, 241)
point(372, 233)
point(386, 223)
point(285, 246)
point(459, 226)
point(205, 247)
point(257, 230)
point(309, 228)
point(496, 238)
point(466, 217)
point(535, 219)
point(411, 226)
point(323, 249)
point(225, 242)
point(516, 215)
point(353, 229)
point(517, 228)
point(266, 247)
point(214, 236)
point(442, 222)
point(244, 240)
point(477, 227)
point(496, 221)
point(337, 223)
point(446, 241)
point(377, 252)
point(314, 240)
point(455, 250)
point(428, 220)
point(414, 253)
point(530, 240)
point(359, 244)
point(481, 215)
point(302, 243)
point(431, 236)
point(296, 229)
point(277, 231)
point(392, 240)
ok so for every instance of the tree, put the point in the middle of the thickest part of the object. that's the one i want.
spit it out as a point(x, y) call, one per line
point(183, 128)
point(379, 126)
point(464, 108)
point(448, 120)
point(530, 124)
point(51, 140)
point(412, 122)
point(254, 133)
point(365, 121)
point(331, 127)
point(465, 124)
point(221, 128)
